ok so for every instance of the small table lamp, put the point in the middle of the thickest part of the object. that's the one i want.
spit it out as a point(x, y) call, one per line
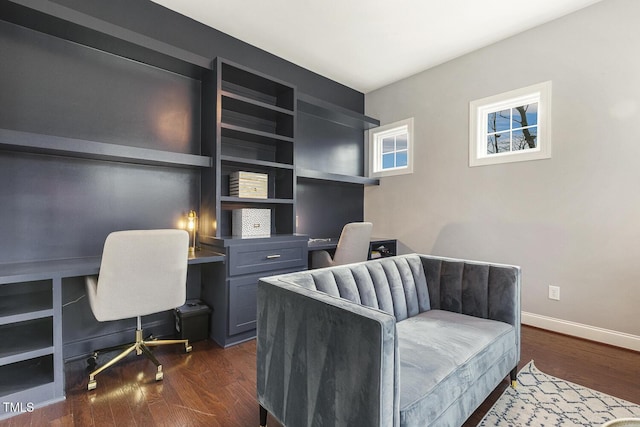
point(192, 227)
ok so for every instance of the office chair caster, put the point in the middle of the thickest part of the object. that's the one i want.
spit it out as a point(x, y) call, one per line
point(92, 362)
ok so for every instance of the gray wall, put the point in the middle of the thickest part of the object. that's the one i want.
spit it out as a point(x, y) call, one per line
point(573, 220)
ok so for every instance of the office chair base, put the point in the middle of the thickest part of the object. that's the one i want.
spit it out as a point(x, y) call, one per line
point(141, 346)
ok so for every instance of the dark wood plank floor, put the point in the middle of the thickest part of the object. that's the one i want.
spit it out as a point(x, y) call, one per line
point(216, 387)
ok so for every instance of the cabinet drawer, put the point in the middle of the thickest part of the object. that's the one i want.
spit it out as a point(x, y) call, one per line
point(246, 259)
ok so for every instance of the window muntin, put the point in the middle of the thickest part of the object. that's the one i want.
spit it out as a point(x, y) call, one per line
point(394, 151)
point(512, 129)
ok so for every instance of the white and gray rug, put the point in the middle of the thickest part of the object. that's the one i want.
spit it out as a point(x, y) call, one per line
point(541, 400)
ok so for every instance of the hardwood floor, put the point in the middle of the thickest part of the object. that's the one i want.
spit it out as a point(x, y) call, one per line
point(601, 367)
point(216, 387)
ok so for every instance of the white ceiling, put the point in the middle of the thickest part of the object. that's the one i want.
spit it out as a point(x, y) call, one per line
point(366, 44)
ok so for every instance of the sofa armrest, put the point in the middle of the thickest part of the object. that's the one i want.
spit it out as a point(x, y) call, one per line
point(323, 360)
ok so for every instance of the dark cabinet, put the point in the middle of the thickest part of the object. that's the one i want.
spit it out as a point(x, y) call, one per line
point(234, 297)
point(242, 305)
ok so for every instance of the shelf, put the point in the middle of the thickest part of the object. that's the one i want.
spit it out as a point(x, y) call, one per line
point(334, 113)
point(260, 107)
point(247, 134)
point(256, 115)
point(65, 23)
point(239, 79)
point(26, 340)
point(334, 177)
point(24, 375)
point(25, 306)
point(243, 143)
point(263, 163)
point(12, 140)
point(229, 199)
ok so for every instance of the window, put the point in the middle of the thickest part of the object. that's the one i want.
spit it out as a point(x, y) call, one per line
point(511, 127)
point(391, 149)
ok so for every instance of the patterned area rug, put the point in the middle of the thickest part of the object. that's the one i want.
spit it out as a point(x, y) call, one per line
point(542, 400)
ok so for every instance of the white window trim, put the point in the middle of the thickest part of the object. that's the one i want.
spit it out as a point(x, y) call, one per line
point(479, 110)
point(376, 135)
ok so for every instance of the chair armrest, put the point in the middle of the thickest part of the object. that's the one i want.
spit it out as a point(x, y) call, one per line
point(324, 360)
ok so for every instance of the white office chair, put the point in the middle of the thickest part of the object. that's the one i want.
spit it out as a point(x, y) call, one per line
point(142, 272)
point(353, 246)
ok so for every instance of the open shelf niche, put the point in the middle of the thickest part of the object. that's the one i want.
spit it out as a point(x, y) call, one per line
point(339, 118)
point(248, 125)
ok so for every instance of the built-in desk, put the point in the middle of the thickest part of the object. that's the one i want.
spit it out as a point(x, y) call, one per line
point(31, 356)
point(378, 247)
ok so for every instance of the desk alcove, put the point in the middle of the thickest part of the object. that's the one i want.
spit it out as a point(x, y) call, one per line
point(35, 313)
point(106, 126)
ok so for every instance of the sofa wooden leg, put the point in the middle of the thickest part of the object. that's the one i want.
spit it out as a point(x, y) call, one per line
point(263, 417)
point(514, 377)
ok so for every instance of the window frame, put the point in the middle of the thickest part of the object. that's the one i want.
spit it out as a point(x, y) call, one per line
point(480, 109)
point(376, 137)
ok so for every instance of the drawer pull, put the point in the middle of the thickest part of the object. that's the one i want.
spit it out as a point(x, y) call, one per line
point(276, 256)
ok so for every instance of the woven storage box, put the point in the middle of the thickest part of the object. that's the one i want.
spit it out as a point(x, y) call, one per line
point(251, 222)
point(248, 184)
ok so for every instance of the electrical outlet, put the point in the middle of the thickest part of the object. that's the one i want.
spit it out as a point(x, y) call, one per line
point(554, 292)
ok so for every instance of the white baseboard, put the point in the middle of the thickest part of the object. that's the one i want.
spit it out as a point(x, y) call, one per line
point(606, 336)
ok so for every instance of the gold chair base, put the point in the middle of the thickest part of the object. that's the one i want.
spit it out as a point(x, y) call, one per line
point(140, 347)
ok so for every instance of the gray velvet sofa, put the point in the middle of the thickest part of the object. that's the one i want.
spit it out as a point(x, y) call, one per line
point(413, 340)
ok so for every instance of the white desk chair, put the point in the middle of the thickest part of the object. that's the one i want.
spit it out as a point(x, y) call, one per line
point(142, 272)
point(353, 246)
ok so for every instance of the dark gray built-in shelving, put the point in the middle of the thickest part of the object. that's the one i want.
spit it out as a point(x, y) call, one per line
point(330, 166)
point(335, 177)
point(325, 111)
point(334, 113)
point(12, 140)
point(68, 24)
point(248, 125)
point(61, 89)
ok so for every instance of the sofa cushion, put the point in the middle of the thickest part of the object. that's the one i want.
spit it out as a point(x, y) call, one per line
point(442, 354)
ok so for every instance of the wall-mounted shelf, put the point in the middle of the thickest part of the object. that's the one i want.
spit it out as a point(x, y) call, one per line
point(230, 199)
point(262, 163)
point(239, 132)
point(334, 177)
point(11, 140)
point(244, 103)
point(334, 113)
point(59, 21)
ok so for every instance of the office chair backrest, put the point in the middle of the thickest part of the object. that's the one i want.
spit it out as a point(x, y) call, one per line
point(353, 245)
point(142, 272)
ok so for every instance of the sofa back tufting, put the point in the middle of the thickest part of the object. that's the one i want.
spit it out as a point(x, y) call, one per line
point(406, 285)
point(397, 285)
